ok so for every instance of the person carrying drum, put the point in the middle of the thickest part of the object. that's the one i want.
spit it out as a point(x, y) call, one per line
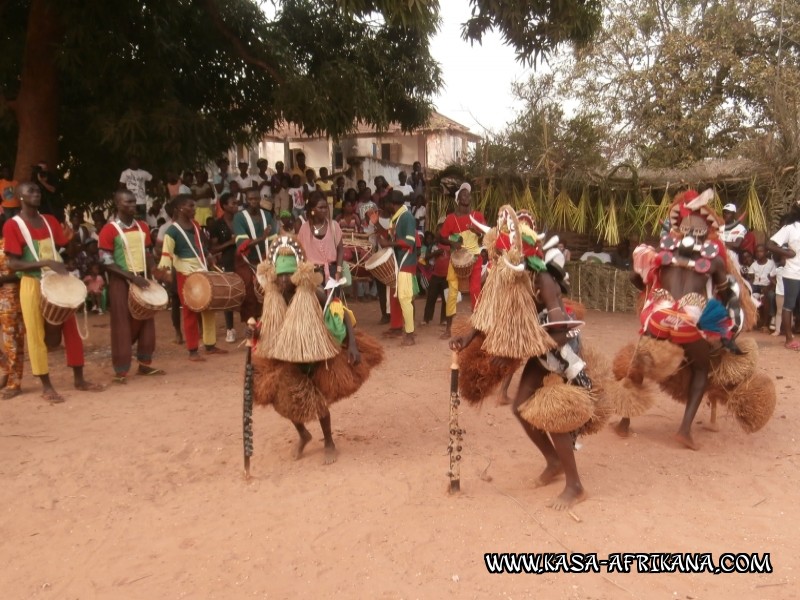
point(31, 241)
point(404, 242)
point(125, 245)
point(460, 222)
point(251, 228)
point(184, 250)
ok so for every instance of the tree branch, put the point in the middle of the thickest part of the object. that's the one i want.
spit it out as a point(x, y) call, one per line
point(236, 43)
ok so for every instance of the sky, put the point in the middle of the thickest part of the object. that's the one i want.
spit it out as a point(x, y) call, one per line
point(477, 79)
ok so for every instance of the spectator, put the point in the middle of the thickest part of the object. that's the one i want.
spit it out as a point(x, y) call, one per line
point(155, 212)
point(205, 197)
point(264, 178)
point(8, 194)
point(404, 188)
point(244, 180)
point(597, 255)
point(764, 274)
point(325, 185)
point(295, 192)
point(565, 251)
point(420, 212)
point(300, 167)
point(417, 179)
point(94, 286)
point(734, 232)
point(135, 179)
point(281, 200)
point(222, 180)
point(621, 257)
point(310, 185)
point(786, 243)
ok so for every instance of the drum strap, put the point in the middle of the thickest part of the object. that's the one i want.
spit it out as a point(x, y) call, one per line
point(202, 259)
point(26, 235)
point(251, 226)
point(128, 255)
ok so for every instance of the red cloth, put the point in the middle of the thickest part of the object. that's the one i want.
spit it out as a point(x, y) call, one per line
point(442, 262)
point(475, 281)
point(191, 323)
point(15, 242)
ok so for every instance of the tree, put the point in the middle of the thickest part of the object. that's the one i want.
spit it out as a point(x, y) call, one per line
point(85, 83)
point(676, 81)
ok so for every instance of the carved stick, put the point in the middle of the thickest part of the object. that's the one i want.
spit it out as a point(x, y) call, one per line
point(456, 433)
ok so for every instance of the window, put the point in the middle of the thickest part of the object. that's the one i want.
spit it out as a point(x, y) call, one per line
point(374, 150)
point(386, 152)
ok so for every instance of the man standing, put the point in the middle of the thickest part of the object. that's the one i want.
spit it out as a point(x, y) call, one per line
point(244, 180)
point(204, 196)
point(300, 168)
point(264, 178)
point(404, 242)
point(31, 241)
point(251, 228)
point(184, 250)
point(135, 180)
point(405, 188)
point(734, 232)
point(125, 246)
point(460, 223)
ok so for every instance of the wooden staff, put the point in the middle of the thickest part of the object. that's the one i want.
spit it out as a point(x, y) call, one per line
point(247, 398)
point(456, 433)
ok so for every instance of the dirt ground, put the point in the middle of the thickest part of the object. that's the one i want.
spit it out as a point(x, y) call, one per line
point(137, 491)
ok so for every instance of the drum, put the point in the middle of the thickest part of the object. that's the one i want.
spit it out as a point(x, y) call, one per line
point(382, 266)
point(61, 296)
point(462, 261)
point(357, 249)
point(210, 290)
point(144, 303)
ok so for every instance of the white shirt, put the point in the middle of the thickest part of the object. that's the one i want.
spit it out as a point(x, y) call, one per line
point(245, 182)
point(152, 222)
point(790, 235)
point(420, 213)
point(601, 257)
point(135, 182)
point(762, 273)
point(406, 189)
point(779, 281)
point(162, 231)
point(736, 232)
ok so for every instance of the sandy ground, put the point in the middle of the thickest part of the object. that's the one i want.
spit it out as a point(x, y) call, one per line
point(137, 491)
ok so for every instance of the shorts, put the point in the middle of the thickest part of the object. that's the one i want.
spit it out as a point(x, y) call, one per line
point(791, 293)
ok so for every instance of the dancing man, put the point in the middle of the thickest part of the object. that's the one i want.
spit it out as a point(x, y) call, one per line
point(185, 251)
point(125, 245)
point(31, 247)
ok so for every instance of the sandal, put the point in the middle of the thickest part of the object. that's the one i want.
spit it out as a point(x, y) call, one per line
point(147, 371)
point(87, 386)
point(9, 393)
point(53, 397)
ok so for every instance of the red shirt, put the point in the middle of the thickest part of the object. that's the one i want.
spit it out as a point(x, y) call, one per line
point(442, 262)
point(462, 226)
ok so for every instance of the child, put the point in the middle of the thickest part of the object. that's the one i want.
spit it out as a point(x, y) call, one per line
point(73, 269)
point(296, 194)
point(440, 255)
point(94, 286)
point(349, 220)
point(763, 272)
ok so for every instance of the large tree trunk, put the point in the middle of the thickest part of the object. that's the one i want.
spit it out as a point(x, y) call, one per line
point(37, 104)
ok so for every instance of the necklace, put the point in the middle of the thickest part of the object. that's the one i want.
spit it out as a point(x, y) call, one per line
point(320, 229)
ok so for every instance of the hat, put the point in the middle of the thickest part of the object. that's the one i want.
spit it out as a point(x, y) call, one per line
point(464, 186)
point(730, 207)
point(285, 263)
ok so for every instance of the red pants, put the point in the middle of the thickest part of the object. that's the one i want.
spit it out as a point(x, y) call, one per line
point(126, 331)
point(475, 281)
point(395, 312)
point(191, 325)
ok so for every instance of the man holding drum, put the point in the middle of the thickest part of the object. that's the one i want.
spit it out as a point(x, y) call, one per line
point(251, 228)
point(125, 245)
point(184, 250)
point(31, 241)
point(460, 222)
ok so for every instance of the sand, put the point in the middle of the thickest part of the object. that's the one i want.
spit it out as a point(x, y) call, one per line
point(137, 491)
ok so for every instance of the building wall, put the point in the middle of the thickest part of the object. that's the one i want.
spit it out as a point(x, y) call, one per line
point(372, 167)
point(444, 148)
point(371, 146)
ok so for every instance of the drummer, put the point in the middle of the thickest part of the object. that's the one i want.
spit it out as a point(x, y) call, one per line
point(31, 247)
point(251, 228)
point(460, 223)
point(184, 250)
point(404, 242)
point(125, 251)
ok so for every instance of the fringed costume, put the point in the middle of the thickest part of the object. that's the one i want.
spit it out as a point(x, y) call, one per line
point(305, 358)
point(692, 296)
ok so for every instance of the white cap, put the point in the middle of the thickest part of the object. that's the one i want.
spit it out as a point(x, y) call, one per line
point(464, 186)
point(555, 256)
point(730, 207)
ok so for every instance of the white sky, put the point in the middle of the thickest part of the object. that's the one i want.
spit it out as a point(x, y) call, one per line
point(477, 79)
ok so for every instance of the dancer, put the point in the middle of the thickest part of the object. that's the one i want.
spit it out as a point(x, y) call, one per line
point(695, 306)
point(125, 245)
point(31, 242)
point(307, 357)
point(556, 399)
point(185, 251)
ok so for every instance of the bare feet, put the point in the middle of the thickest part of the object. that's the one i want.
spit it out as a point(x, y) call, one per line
point(330, 454)
point(686, 440)
point(711, 427)
point(568, 498)
point(9, 393)
point(623, 428)
point(549, 474)
point(408, 340)
point(305, 437)
point(197, 358)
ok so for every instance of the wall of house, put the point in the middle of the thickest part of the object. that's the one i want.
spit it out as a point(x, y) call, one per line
point(371, 146)
point(372, 167)
point(444, 148)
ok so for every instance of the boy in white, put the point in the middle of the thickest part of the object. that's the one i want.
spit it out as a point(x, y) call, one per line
point(135, 180)
point(786, 243)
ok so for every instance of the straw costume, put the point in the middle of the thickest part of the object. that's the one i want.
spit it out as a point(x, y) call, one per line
point(306, 357)
point(521, 317)
point(695, 306)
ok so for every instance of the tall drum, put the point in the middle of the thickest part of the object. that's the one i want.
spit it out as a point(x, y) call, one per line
point(383, 266)
point(61, 296)
point(144, 303)
point(462, 261)
point(210, 290)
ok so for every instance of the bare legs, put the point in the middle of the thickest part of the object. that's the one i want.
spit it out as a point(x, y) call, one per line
point(699, 356)
point(556, 449)
point(305, 437)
